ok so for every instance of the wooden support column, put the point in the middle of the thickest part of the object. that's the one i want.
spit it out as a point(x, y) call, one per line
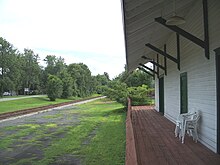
point(154, 67)
point(165, 59)
point(178, 50)
point(206, 28)
point(217, 59)
point(158, 70)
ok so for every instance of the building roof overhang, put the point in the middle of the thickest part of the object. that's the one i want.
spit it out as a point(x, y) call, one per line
point(141, 28)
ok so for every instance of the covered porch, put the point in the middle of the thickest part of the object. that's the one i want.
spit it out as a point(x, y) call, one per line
point(184, 59)
point(150, 140)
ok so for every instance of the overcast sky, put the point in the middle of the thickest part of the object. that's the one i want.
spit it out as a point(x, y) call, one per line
point(88, 31)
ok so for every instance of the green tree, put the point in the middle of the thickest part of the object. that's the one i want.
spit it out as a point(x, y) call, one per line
point(54, 87)
point(136, 78)
point(82, 79)
point(100, 82)
point(117, 90)
point(67, 84)
point(55, 65)
point(30, 70)
point(8, 66)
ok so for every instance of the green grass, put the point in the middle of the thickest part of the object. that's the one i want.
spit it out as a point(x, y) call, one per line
point(52, 116)
point(25, 103)
point(106, 146)
point(22, 130)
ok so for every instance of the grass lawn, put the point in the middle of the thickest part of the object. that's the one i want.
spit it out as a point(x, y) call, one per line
point(32, 102)
point(98, 138)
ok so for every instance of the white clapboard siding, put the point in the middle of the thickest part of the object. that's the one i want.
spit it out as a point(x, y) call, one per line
point(201, 73)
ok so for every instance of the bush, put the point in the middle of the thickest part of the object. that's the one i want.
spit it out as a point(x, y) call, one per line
point(117, 91)
point(54, 87)
point(120, 92)
point(139, 95)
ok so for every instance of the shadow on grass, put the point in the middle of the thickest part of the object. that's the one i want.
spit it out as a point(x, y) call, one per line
point(42, 98)
point(118, 111)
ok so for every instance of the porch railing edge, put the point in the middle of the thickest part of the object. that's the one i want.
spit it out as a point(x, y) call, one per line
point(131, 155)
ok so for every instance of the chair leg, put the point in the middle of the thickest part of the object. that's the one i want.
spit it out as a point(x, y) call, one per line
point(183, 132)
point(177, 130)
point(183, 139)
point(196, 135)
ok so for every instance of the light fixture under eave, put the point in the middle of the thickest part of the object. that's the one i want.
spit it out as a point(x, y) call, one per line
point(175, 20)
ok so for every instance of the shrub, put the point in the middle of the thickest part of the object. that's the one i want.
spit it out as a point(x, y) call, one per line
point(117, 91)
point(139, 95)
point(54, 87)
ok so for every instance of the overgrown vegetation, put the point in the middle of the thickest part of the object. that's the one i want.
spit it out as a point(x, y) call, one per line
point(99, 137)
point(139, 95)
point(138, 86)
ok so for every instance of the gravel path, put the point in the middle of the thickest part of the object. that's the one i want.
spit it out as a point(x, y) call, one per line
point(30, 134)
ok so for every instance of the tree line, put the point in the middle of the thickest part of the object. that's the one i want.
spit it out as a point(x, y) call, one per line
point(22, 71)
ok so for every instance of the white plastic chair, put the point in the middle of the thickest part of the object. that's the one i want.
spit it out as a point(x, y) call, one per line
point(180, 123)
point(191, 127)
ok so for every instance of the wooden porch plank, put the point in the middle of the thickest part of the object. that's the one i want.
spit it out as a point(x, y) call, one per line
point(156, 144)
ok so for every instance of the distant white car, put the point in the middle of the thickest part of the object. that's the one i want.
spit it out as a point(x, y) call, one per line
point(6, 94)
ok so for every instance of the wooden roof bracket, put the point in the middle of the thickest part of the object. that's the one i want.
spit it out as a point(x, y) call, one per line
point(165, 59)
point(154, 67)
point(154, 63)
point(146, 67)
point(166, 55)
point(141, 68)
point(204, 44)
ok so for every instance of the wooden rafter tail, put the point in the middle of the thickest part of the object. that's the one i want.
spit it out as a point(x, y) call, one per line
point(154, 63)
point(146, 67)
point(144, 70)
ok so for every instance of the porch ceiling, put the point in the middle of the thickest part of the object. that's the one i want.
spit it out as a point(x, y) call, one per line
point(140, 27)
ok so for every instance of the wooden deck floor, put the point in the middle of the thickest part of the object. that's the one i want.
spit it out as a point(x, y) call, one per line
point(156, 144)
